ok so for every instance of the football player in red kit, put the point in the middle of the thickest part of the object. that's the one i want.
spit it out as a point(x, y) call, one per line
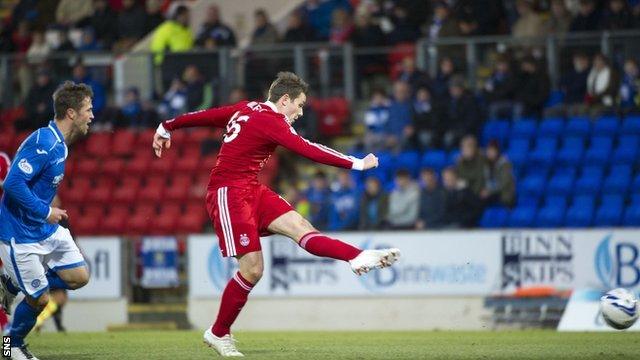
point(242, 209)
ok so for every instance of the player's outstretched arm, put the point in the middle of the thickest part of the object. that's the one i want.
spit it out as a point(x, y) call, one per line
point(214, 117)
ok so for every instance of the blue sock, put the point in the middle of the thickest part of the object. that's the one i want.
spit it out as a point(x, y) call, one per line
point(55, 282)
point(24, 319)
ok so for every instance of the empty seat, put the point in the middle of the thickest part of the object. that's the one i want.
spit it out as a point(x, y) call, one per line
point(124, 142)
point(551, 215)
point(115, 223)
point(544, 152)
point(571, 152)
point(494, 217)
point(522, 216)
point(518, 152)
point(528, 200)
point(112, 167)
point(608, 215)
point(153, 190)
point(99, 144)
point(618, 180)
point(599, 151)
point(590, 181)
point(579, 216)
point(631, 125)
point(434, 159)
point(606, 125)
point(139, 165)
point(523, 129)
point(631, 215)
point(87, 166)
point(495, 130)
point(561, 184)
point(551, 127)
point(578, 127)
point(532, 185)
point(179, 187)
point(408, 160)
point(77, 191)
point(627, 150)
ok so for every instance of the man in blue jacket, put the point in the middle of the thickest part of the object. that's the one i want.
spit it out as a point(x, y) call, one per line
point(30, 236)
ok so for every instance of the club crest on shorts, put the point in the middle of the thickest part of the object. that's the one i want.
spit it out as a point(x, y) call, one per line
point(244, 240)
point(35, 283)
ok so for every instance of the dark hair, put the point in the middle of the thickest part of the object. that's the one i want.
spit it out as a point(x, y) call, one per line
point(181, 9)
point(70, 95)
point(287, 83)
point(403, 173)
point(320, 175)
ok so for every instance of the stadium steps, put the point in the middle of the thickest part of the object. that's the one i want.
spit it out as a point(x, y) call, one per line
point(161, 314)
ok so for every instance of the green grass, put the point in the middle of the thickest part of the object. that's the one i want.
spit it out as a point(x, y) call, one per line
point(341, 345)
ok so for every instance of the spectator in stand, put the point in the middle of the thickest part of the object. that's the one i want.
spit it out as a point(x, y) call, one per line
point(319, 12)
point(194, 86)
point(39, 49)
point(462, 113)
point(154, 17)
point(367, 33)
point(88, 41)
point(500, 186)
point(236, 95)
point(630, 87)
point(38, 104)
point(174, 101)
point(426, 120)
point(440, 85)
point(264, 32)
point(532, 89)
point(319, 197)
point(135, 114)
point(468, 26)
point(412, 75)
point(21, 37)
point(174, 35)
point(74, 13)
point(617, 16)
point(442, 24)
point(130, 25)
point(471, 165)
point(341, 27)
point(399, 130)
point(5, 165)
point(573, 84)
point(297, 29)
point(488, 14)
point(404, 202)
point(213, 28)
point(462, 208)
point(529, 23)
point(103, 22)
point(6, 45)
point(403, 29)
point(432, 201)
point(376, 119)
point(374, 205)
point(499, 90)
point(343, 210)
point(560, 19)
point(588, 17)
point(81, 75)
point(602, 85)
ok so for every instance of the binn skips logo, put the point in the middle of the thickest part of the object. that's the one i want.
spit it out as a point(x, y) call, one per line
point(220, 269)
point(617, 263)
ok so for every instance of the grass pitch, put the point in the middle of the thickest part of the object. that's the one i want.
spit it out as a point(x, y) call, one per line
point(341, 345)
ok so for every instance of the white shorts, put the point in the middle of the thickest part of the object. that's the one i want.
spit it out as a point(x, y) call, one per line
point(24, 262)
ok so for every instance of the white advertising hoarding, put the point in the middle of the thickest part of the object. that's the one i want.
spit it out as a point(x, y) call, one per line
point(103, 257)
point(583, 313)
point(432, 263)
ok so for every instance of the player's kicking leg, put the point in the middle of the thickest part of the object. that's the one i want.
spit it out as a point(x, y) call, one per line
point(293, 225)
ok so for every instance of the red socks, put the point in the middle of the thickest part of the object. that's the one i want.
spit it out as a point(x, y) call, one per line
point(322, 245)
point(233, 299)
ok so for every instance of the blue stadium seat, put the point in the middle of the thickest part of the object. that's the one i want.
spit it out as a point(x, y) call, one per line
point(561, 184)
point(579, 216)
point(551, 215)
point(599, 151)
point(584, 201)
point(590, 181)
point(556, 97)
point(571, 152)
point(578, 126)
point(518, 152)
point(532, 185)
point(627, 150)
point(494, 217)
point(556, 200)
point(618, 180)
point(523, 129)
point(544, 152)
point(528, 200)
point(409, 160)
point(608, 215)
point(453, 156)
point(551, 127)
point(631, 215)
point(631, 125)
point(435, 159)
point(522, 216)
point(612, 200)
point(635, 186)
point(635, 198)
point(606, 125)
point(495, 129)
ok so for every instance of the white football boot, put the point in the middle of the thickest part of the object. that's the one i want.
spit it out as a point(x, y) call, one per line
point(6, 297)
point(225, 346)
point(371, 259)
point(21, 353)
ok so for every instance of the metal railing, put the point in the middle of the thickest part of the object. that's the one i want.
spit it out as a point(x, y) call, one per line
point(330, 69)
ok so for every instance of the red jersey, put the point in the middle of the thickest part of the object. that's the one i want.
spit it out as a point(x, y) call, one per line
point(5, 164)
point(253, 131)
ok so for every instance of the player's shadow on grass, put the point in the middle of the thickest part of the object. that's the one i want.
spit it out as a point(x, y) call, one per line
point(72, 357)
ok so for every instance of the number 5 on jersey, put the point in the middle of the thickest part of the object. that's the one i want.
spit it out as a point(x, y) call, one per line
point(233, 127)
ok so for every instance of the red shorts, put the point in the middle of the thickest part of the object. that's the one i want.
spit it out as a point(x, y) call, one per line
point(241, 215)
